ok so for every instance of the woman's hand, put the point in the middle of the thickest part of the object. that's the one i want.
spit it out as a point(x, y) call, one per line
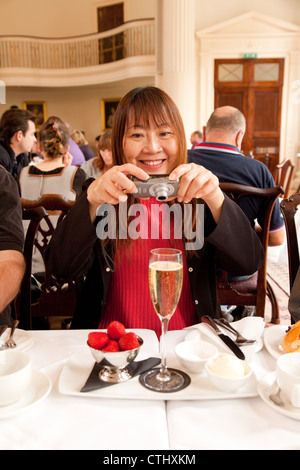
point(113, 186)
point(198, 182)
point(67, 159)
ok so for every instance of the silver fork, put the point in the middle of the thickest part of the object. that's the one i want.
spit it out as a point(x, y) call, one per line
point(239, 338)
point(10, 343)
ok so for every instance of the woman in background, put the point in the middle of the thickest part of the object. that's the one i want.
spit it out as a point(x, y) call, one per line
point(103, 162)
point(53, 175)
point(83, 144)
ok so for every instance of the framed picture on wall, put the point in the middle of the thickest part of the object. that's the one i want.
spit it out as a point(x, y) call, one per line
point(39, 109)
point(108, 109)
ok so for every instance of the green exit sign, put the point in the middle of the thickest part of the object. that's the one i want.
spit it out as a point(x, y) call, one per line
point(250, 55)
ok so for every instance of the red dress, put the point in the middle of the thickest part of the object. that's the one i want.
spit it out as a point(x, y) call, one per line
point(128, 299)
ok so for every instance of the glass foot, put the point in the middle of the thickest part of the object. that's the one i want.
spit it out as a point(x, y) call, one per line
point(173, 381)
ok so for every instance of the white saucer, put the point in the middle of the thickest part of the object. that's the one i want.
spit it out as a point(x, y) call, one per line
point(273, 337)
point(266, 386)
point(38, 389)
point(23, 339)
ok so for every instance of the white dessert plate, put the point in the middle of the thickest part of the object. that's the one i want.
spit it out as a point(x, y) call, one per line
point(24, 340)
point(273, 337)
point(38, 389)
point(266, 386)
point(77, 369)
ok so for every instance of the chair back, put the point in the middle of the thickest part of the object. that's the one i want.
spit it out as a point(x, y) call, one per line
point(283, 175)
point(289, 209)
point(254, 290)
point(56, 297)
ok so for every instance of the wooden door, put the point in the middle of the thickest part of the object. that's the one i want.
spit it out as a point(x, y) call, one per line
point(111, 48)
point(255, 87)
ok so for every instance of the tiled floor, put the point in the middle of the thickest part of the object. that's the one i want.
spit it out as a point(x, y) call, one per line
point(278, 276)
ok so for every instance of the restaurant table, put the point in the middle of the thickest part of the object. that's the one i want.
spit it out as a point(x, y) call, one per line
point(68, 422)
point(61, 421)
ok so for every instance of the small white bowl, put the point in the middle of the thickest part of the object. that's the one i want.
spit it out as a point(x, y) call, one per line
point(15, 375)
point(225, 383)
point(193, 354)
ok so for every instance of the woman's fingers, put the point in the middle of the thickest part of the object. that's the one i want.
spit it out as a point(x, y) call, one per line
point(114, 183)
point(195, 181)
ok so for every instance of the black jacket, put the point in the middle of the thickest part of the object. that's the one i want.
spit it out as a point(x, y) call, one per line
point(9, 160)
point(75, 250)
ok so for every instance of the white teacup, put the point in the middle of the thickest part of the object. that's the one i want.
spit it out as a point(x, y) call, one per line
point(288, 376)
point(15, 375)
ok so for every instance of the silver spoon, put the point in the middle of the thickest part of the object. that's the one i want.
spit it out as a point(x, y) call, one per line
point(10, 343)
point(275, 398)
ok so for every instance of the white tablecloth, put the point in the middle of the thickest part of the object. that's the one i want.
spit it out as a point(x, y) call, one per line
point(73, 422)
point(66, 422)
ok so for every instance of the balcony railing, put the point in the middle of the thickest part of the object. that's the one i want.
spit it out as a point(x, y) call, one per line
point(129, 40)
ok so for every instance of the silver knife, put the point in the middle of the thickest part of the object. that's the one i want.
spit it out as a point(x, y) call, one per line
point(228, 341)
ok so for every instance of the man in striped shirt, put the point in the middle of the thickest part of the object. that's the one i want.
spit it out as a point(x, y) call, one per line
point(220, 153)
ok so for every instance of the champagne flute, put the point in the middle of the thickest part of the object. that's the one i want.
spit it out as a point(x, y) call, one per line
point(165, 282)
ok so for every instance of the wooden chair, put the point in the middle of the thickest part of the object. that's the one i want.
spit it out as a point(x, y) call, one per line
point(283, 175)
point(289, 208)
point(254, 290)
point(56, 297)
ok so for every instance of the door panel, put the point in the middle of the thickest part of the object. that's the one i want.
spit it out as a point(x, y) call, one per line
point(255, 87)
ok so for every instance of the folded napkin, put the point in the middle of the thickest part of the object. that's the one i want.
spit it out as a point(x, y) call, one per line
point(135, 368)
point(250, 327)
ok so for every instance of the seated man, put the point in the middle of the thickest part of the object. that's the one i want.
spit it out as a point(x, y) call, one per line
point(220, 153)
point(17, 136)
point(12, 263)
point(196, 138)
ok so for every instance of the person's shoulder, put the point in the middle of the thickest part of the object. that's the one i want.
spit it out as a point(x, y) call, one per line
point(5, 175)
point(80, 171)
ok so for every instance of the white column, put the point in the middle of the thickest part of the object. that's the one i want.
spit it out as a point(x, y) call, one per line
point(176, 57)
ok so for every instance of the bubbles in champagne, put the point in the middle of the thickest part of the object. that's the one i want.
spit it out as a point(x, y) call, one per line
point(165, 281)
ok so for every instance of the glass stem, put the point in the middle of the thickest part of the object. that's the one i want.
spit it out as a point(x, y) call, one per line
point(164, 374)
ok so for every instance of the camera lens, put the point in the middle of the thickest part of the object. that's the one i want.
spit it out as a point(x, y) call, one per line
point(161, 192)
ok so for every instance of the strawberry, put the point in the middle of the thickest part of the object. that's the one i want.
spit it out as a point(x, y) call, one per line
point(129, 341)
point(115, 330)
point(97, 339)
point(111, 346)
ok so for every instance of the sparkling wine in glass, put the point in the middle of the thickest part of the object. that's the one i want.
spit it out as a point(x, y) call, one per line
point(165, 282)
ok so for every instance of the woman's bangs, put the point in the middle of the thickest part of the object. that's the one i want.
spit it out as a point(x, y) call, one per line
point(143, 112)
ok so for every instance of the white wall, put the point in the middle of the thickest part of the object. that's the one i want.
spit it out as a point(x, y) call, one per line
point(210, 12)
point(63, 18)
point(57, 18)
point(80, 106)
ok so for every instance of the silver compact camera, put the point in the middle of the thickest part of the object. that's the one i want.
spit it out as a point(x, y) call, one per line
point(158, 186)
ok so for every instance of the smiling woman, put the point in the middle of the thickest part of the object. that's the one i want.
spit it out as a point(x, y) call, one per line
point(152, 129)
point(148, 139)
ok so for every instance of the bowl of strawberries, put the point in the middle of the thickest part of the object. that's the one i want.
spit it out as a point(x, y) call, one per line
point(115, 349)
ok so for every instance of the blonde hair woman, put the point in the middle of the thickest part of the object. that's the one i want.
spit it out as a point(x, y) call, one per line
point(83, 144)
